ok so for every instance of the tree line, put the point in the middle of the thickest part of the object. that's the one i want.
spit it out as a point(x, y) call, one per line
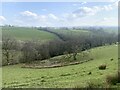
point(15, 51)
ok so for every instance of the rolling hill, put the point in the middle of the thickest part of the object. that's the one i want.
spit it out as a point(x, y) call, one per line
point(26, 33)
point(68, 76)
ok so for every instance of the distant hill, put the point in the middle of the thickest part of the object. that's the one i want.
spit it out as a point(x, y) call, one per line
point(26, 33)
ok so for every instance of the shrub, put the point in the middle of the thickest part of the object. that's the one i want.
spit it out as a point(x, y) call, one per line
point(111, 59)
point(102, 67)
point(113, 79)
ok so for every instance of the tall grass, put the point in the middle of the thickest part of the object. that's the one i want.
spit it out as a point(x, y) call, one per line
point(113, 79)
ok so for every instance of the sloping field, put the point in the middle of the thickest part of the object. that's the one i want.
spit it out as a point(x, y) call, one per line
point(68, 76)
point(25, 33)
point(71, 33)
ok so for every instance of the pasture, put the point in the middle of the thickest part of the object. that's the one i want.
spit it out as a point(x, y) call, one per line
point(74, 76)
point(26, 33)
point(72, 33)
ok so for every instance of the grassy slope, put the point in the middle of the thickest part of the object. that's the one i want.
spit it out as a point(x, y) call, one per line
point(22, 33)
point(25, 33)
point(68, 76)
point(72, 32)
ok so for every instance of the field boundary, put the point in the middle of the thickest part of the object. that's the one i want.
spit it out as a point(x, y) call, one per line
point(60, 37)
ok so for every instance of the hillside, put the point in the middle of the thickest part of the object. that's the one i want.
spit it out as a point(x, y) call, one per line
point(71, 33)
point(26, 33)
point(29, 33)
point(68, 76)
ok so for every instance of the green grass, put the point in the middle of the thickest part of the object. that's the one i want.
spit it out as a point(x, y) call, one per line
point(68, 76)
point(72, 33)
point(25, 33)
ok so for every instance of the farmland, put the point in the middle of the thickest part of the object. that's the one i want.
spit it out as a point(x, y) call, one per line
point(59, 45)
point(72, 32)
point(26, 33)
point(35, 64)
point(68, 76)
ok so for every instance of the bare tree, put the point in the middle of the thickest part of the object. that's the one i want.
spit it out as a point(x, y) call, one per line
point(34, 50)
point(9, 45)
point(28, 52)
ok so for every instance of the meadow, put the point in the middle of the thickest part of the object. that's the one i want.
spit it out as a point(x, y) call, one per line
point(74, 76)
point(52, 49)
point(27, 33)
point(72, 32)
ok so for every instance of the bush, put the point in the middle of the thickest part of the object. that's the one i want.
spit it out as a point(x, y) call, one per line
point(113, 79)
point(102, 67)
point(111, 59)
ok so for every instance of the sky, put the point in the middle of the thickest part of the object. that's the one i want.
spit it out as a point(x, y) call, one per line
point(59, 14)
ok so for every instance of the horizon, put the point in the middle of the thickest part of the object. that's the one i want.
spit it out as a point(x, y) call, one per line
point(9, 25)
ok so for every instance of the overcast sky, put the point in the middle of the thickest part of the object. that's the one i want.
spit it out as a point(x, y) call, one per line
point(59, 14)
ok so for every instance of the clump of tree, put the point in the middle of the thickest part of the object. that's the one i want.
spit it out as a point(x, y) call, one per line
point(33, 50)
point(10, 46)
point(71, 46)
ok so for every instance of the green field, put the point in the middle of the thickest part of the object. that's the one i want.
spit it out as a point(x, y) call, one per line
point(71, 32)
point(26, 33)
point(29, 33)
point(68, 76)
